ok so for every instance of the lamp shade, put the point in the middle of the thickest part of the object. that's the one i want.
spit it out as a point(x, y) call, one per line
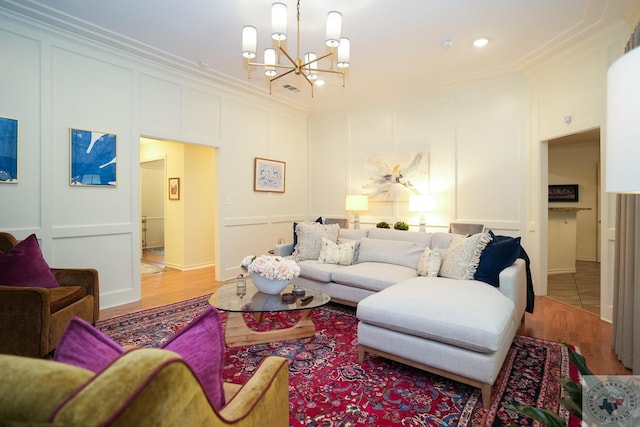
point(421, 203)
point(344, 50)
point(334, 28)
point(311, 70)
point(270, 62)
point(279, 21)
point(356, 203)
point(623, 125)
point(249, 41)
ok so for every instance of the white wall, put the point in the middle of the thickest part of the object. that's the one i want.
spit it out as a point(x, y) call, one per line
point(475, 136)
point(58, 82)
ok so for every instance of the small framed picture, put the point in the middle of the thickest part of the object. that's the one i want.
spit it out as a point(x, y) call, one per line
point(8, 151)
point(174, 188)
point(269, 175)
point(93, 158)
point(563, 193)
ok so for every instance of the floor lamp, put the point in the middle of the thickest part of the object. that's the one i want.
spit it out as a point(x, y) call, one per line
point(356, 204)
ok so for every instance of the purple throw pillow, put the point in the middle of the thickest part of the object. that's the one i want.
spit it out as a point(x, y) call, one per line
point(200, 344)
point(24, 266)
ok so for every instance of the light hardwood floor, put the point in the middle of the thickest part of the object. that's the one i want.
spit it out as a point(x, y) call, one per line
point(580, 289)
point(551, 320)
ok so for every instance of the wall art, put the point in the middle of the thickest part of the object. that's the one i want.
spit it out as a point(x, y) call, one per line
point(269, 175)
point(174, 188)
point(395, 177)
point(563, 193)
point(8, 151)
point(93, 158)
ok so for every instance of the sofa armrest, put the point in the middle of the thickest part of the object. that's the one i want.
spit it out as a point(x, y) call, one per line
point(264, 399)
point(24, 314)
point(513, 284)
point(156, 387)
point(87, 277)
point(283, 249)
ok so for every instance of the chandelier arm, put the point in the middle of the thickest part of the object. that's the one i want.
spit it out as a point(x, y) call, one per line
point(329, 71)
point(282, 75)
point(260, 64)
point(316, 60)
point(288, 56)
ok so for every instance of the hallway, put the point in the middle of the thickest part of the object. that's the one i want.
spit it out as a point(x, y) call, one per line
point(581, 289)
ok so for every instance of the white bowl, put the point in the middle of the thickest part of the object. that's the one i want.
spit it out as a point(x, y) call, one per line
point(268, 286)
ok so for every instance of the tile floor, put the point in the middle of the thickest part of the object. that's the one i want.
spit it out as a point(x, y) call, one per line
point(581, 289)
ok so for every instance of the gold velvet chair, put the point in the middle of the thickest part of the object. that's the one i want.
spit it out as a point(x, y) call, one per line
point(32, 319)
point(143, 387)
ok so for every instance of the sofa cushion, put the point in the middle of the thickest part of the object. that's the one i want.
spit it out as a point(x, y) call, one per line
point(462, 257)
point(310, 239)
point(334, 253)
point(200, 344)
point(430, 262)
point(390, 252)
point(373, 276)
point(353, 234)
point(315, 270)
point(25, 266)
point(423, 239)
point(64, 296)
point(441, 240)
point(477, 316)
point(499, 254)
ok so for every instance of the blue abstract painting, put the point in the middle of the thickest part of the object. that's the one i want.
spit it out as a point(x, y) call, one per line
point(8, 150)
point(93, 158)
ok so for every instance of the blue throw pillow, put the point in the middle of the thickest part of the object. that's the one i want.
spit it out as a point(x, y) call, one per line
point(499, 254)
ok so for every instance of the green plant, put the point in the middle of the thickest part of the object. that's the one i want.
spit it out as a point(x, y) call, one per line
point(573, 402)
point(383, 224)
point(401, 225)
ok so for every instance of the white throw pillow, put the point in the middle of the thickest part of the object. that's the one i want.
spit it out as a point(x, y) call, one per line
point(333, 253)
point(463, 256)
point(430, 262)
point(310, 239)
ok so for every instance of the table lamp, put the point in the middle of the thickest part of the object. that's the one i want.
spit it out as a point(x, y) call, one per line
point(421, 203)
point(356, 204)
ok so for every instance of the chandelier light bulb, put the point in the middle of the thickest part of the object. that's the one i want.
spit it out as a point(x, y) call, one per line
point(279, 21)
point(334, 28)
point(344, 49)
point(270, 62)
point(249, 41)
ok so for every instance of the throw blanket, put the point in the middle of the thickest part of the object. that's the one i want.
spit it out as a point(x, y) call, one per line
point(531, 297)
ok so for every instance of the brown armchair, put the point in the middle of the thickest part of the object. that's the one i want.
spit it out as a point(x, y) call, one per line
point(143, 387)
point(32, 319)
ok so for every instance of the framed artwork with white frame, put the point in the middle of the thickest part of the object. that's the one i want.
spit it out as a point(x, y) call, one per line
point(93, 158)
point(8, 151)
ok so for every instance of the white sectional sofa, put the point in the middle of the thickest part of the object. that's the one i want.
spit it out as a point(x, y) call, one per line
point(460, 328)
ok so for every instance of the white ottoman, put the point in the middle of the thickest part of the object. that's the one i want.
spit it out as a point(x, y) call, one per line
point(459, 329)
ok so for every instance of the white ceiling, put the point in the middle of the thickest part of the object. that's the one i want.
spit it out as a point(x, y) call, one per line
point(395, 45)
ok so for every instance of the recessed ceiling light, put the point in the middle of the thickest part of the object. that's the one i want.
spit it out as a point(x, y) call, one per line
point(446, 43)
point(480, 42)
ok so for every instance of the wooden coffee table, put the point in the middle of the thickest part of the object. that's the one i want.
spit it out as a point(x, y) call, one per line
point(235, 301)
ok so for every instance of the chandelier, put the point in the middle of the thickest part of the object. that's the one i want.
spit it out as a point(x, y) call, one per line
point(307, 67)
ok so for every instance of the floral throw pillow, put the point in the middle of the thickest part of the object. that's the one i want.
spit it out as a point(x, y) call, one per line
point(333, 253)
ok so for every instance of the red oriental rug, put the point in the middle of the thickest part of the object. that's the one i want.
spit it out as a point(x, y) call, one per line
point(328, 387)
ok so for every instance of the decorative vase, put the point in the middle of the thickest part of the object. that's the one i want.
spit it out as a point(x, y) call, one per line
point(268, 286)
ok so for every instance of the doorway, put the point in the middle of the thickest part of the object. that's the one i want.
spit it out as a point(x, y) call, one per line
point(152, 216)
point(574, 223)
